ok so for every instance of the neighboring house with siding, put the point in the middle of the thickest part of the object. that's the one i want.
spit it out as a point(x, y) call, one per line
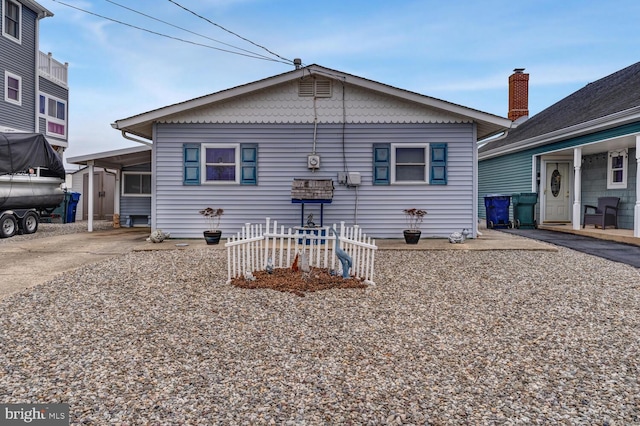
point(585, 146)
point(241, 149)
point(33, 85)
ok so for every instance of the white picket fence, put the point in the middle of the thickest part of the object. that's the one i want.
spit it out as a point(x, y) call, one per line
point(252, 247)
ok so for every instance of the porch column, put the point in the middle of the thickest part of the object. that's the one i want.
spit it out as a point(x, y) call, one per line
point(577, 187)
point(90, 198)
point(116, 196)
point(636, 215)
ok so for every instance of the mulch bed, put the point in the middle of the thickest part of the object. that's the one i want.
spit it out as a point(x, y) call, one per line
point(287, 280)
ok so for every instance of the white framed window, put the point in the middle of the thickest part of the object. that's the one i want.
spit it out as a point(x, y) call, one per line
point(12, 88)
point(617, 168)
point(12, 20)
point(220, 163)
point(410, 163)
point(54, 111)
point(136, 184)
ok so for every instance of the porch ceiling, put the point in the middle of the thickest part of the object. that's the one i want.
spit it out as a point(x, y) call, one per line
point(627, 141)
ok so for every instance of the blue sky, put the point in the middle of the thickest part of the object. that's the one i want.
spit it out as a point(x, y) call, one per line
point(461, 51)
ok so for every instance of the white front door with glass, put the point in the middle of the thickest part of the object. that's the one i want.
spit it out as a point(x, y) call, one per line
point(557, 192)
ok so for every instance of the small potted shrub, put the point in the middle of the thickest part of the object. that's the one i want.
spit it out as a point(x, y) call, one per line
point(212, 216)
point(414, 220)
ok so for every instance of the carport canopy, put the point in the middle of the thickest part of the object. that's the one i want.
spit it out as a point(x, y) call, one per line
point(114, 160)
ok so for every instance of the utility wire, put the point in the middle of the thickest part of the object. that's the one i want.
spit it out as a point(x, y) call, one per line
point(254, 56)
point(288, 61)
point(184, 29)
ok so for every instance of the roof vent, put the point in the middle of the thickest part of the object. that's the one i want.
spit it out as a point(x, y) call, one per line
point(297, 62)
point(320, 88)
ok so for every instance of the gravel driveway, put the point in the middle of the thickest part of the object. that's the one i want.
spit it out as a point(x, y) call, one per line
point(446, 337)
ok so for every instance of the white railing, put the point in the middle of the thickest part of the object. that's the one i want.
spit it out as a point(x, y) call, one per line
point(252, 247)
point(52, 69)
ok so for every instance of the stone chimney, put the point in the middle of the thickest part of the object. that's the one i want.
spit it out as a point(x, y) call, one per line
point(518, 94)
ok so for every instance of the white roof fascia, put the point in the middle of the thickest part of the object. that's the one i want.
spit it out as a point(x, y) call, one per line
point(598, 124)
point(198, 102)
point(38, 8)
point(443, 105)
point(155, 115)
point(82, 159)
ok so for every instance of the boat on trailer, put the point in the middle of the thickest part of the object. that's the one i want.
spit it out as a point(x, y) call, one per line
point(31, 181)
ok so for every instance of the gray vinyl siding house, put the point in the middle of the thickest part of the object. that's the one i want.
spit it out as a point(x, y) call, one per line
point(589, 141)
point(29, 77)
point(352, 125)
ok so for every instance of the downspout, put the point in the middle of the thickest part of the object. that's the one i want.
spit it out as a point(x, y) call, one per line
point(119, 175)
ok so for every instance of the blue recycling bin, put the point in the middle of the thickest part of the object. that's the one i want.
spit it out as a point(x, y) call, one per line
point(72, 206)
point(497, 207)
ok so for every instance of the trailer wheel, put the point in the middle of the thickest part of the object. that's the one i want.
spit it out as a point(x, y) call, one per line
point(29, 223)
point(8, 226)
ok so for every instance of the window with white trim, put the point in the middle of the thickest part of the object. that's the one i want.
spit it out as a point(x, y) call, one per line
point(54, 111)
point(617, 166)
point(409, 163)
point(136, 184)
point(12, 88)
point(221, 163)
point(12, 20)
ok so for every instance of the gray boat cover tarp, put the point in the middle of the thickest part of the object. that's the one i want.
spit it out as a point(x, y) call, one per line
point(21, 151)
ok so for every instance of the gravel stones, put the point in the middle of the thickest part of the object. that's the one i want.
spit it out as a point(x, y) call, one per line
point(445, 337)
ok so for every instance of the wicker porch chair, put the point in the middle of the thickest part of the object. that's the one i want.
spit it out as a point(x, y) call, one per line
point(604, 214)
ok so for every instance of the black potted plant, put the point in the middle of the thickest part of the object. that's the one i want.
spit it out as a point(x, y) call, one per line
point(414, 220)
point(212, 216)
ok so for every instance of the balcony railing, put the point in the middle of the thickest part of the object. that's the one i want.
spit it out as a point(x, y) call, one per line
point(52, 69)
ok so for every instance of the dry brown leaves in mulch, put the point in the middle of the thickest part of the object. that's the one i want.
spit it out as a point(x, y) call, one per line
point(285, 279)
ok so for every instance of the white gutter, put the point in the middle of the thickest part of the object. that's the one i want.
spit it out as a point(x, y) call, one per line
point(131, 138)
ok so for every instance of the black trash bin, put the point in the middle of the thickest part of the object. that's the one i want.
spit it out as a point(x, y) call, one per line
point(72, 205)
point(524, 209)
point(497, 206)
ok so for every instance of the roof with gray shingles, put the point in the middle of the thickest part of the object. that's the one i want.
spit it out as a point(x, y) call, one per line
point(613, 93)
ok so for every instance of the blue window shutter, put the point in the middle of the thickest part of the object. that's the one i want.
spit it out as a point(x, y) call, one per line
point(438, 164)
point(191, 160)
point(248, 164)
point(381, 163)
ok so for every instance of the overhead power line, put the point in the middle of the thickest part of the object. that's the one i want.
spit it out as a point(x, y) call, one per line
point(184, 29)
point(252, 55)
point(289, 61)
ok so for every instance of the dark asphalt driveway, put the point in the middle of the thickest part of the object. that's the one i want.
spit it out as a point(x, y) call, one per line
point(618, 252)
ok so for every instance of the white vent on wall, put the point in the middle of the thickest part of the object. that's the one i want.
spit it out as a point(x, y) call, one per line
point(320, 88)
point(323, 88)
point(305, 87)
